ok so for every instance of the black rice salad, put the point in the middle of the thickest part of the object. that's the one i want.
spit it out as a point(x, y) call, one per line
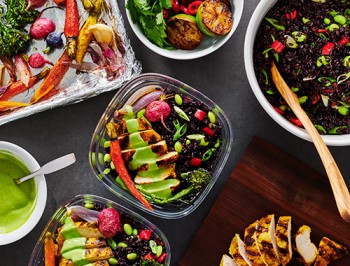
point(95, 234)
point(170, 143)
point(309, 42)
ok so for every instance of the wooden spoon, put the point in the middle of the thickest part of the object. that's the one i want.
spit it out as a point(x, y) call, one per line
point(340, 190)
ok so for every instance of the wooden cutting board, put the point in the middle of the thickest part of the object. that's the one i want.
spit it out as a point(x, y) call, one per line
point(267, 180)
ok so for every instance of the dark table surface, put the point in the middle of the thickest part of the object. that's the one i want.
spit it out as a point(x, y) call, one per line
point(220, 75)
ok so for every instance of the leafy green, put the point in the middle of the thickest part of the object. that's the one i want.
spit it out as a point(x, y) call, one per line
point(17, 15)
point(274, 23)
point(12, 41)
point(148, 14)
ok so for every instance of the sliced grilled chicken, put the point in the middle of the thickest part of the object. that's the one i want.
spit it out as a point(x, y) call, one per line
point(265, 236)
point(150, 176)
point(90, 255)
point(284, 239)
point(304, 246)
point(88, 230)
point(329, 251)
point(82, 242)
point(137, 157)
point(161, 161)
point(237, 251)
point(251, 246)
point(226, 260)
point(138, 139)
point(129, 126)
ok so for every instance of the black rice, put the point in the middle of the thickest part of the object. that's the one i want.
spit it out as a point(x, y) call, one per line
point(327, 100)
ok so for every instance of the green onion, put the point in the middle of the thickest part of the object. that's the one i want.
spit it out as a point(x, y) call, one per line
point(274, 23)
point(346, 61)
point(343, 110)
point(305, 20)
point(320, 128)
point(180, 132)
point(181, 113)
point(303, 99)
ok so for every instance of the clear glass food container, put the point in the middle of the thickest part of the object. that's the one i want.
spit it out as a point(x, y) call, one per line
point(126, 95)
point(37, 257)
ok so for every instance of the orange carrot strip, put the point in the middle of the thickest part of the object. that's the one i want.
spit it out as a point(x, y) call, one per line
point(53, 78)
point(5, 105)
point(117, 159)
point(49, 250)
point(19, 87)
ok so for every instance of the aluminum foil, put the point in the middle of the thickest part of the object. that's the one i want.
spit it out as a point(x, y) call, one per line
point(75, 87)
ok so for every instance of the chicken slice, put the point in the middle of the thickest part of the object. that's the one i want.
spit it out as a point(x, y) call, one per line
point(328, 251)
point(226, 260)
point(237, 251)
point(304, 246)
point(251, 247)
point(265, 236)
point(284, 239)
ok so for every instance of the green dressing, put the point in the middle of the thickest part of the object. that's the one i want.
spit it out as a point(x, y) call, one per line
point(77, 256)
point(73, 243)
point(142, 156)
point(69, 230)
point(17, 201)
point(136, 141)
point(132, 125)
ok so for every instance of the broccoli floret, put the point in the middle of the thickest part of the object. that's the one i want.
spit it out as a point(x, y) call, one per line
point(17, 15)
point(150, 263)
point(12, 41)
point(198, 179)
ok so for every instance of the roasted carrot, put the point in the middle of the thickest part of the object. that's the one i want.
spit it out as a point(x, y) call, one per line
point(53, 78)
point(85, 35)
point(71, 26)
point(49, 250)
point(19, 87)
point(6, 105)
point(117, 159)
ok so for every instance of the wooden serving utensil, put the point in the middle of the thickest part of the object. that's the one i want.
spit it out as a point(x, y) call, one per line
point(339, 187)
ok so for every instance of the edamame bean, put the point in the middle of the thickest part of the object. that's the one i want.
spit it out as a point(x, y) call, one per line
point(211, 116)
point(112, 166)
point(100, 158)
point(112, 261)
point(112, 243)
point(135, 232)
point(106, 144)
point(107, 158)
point(340, 19)
point(178, 99)
point(188, 142)
point(88, 205)
point(131, 256)
point(159, 251)
point(122, 245)
point(178, 146)
point(127, 229)
point(326, 21)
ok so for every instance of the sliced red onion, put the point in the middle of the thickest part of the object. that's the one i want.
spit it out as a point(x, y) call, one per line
point(97, 49)
point(79, 212)
point(83, 66)
point(146, 100)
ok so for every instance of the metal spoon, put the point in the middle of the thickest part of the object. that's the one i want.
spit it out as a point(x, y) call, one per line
point(340, 190)
point(50, 167)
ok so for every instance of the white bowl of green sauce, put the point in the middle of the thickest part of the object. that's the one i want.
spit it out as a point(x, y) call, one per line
point(21, 205)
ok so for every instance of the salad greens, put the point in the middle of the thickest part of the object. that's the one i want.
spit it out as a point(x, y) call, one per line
point(148, 14)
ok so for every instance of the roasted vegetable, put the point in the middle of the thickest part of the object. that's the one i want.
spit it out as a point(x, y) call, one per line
point(17, 14)
point(12, 41)
point(5, 105)
point(54, 78)
point(198, 179)
point(71, 27)
point(85, 34)
point(49, 250)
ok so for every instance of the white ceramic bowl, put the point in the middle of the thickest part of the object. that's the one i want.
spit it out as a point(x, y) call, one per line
point(207, 46)
point(258, 15)
point(41, 188)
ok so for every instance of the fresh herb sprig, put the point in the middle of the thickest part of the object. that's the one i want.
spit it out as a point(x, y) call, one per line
point(17, 14)
point(149, 15)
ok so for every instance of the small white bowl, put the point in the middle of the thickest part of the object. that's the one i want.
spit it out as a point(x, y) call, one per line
point(254, 23)
point(41, 190)
point(207, 46)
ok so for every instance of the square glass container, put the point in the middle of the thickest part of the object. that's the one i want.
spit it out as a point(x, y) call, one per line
point(37, 257)
point(127, 95)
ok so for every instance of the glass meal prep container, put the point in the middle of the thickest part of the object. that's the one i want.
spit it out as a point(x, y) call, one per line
point(191, 127)
point(143, 231)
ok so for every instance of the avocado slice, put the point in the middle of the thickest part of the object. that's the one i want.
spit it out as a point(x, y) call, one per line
point(139, 139)
point(155, 175)
point(161, 189)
